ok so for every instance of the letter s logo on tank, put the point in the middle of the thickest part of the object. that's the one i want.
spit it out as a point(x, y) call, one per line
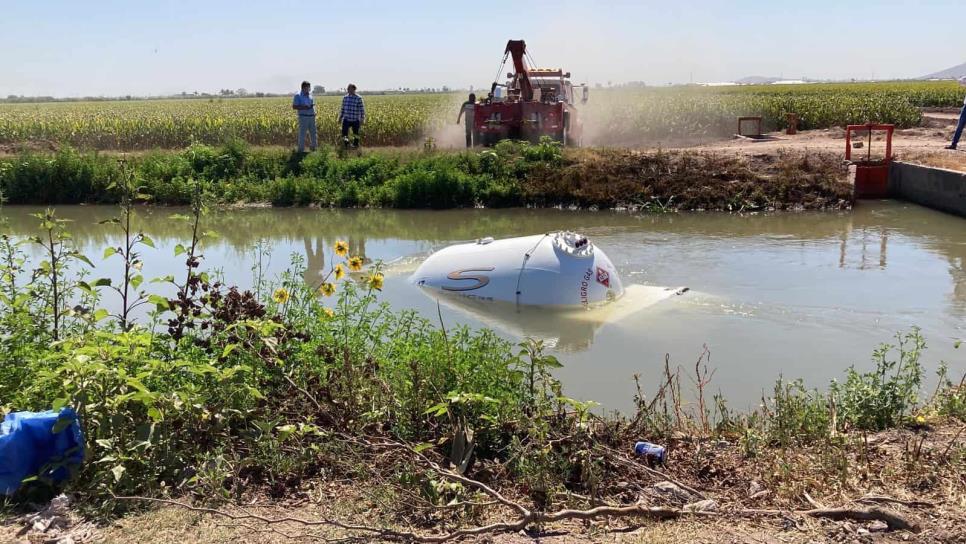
point(462, 275)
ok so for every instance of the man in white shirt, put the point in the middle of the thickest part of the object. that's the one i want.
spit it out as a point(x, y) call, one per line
point(962, 120)
point(305, 106)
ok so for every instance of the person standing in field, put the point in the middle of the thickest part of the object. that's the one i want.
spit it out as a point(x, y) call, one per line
point(962, 120)
point(352, 115)
point(305, 106)
point(466, 111)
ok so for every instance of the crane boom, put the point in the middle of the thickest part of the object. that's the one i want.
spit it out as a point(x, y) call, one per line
point(517, 49)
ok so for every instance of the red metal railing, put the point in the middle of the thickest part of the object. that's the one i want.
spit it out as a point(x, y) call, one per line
point(870, 127)
point(871, 176)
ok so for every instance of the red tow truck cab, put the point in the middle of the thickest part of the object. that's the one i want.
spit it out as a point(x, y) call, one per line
point(537, 102)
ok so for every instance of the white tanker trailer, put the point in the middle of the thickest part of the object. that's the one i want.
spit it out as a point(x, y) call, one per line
point(555, 286)
point(555, 269)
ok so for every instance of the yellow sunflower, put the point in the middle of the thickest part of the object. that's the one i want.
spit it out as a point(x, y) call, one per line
point(327, 289)
point(375, 281)
point(355, 264)
point(339, 271)
point(280, 295)
point(329, 312)
point(341, 248)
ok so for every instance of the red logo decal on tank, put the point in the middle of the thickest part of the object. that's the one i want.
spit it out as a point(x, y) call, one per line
point(603, 277)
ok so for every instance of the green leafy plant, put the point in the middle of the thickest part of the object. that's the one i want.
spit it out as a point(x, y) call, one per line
point(883, 397)
point(130, 292)
point(54, 283)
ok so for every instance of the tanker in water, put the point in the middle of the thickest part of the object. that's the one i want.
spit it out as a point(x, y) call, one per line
point(557, 286)
point(555, 269)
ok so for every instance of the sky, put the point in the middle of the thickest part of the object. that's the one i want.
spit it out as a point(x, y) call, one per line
point(112, 48)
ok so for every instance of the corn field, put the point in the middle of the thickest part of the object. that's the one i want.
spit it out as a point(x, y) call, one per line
point(685, 113)
point(177, 123)
point(613, 116)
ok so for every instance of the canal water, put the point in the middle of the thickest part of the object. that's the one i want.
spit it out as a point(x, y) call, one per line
point(799, 295)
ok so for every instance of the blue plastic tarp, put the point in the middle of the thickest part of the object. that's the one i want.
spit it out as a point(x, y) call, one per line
point(48, 445)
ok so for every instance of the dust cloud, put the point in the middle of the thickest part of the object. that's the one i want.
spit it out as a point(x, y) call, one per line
point(447, 134)
point(640, 117)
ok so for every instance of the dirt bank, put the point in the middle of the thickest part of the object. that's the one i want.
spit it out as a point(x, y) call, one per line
point(693, 180)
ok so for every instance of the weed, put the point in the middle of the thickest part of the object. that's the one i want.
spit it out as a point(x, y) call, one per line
point(884, 397)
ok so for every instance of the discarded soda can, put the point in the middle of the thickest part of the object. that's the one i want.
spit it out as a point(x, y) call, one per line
point(652, 453)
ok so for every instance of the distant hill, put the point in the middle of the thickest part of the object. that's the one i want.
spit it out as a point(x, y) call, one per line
point(955, 72)
point(757, 80)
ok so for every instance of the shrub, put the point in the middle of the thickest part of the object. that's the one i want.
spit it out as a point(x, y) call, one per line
point(66, 177)
point(426, 188)
point(883, 398)
point(798, 416)
point(950, 397)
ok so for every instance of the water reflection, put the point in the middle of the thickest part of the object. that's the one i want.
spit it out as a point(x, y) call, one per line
point(866, 247)
point(315, 260)
point(319, 248)
point(943, 234)
point(560, 329)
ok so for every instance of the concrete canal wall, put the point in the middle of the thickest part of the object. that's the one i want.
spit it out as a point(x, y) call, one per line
point(935, 188)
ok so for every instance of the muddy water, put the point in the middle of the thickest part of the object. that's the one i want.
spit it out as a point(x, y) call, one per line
point(797, 294)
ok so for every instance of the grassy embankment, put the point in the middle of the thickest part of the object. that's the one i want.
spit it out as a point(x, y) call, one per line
point(510, 174)
point(271, 392)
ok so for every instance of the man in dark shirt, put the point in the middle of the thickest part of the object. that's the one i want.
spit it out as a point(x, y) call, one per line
point(352, 115)
point(962, 120)
point(467, 110)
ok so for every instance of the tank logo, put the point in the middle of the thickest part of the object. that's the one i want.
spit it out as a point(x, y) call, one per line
point(603, 277)
point(480, 279)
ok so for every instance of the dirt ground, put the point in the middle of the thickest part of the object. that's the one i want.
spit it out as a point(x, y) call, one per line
point(171, 525)
point(916, 473)
point(923, 145)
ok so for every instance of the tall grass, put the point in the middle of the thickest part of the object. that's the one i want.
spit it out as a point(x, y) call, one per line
point(509, 174)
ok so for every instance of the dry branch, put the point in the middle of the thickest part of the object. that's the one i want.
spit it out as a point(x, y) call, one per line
point(638, 510)
point(895, 521)
point(534, 518)
point(322, 522)
point(875, 499)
